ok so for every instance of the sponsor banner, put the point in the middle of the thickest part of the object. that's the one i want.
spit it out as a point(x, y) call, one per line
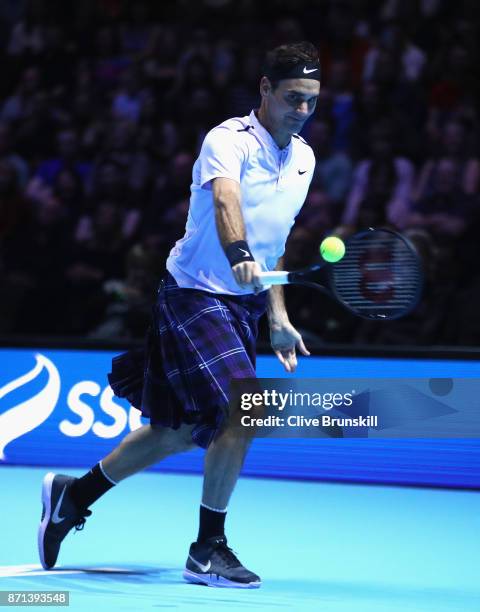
point(356, 407)
point(57, 409)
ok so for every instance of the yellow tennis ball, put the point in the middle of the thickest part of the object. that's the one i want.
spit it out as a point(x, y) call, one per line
point(332, 249)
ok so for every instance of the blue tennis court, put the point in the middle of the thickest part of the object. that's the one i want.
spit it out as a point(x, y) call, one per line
point(317, 546)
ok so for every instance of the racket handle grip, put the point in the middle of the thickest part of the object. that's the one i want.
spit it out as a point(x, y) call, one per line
point(276, 277)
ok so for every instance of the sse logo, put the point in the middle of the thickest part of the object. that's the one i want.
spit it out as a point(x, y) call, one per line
point(18, 420)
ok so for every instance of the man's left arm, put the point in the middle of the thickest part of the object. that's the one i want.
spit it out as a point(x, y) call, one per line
point(283, 336)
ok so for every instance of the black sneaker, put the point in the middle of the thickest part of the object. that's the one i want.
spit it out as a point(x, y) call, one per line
point(59, 515)
point(213, 563)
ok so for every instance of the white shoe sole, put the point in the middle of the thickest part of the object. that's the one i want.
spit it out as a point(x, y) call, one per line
point(46, 499)
point(217, 581)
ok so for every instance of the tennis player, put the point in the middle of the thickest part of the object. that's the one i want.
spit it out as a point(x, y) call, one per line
point(249, 183)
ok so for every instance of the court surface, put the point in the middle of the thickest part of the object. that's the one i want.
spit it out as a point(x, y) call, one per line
point(322, 547)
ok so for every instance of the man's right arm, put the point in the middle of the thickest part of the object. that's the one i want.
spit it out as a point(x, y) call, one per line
point(231, 228)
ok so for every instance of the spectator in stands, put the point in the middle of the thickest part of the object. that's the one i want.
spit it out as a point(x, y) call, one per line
point(111, 184)
point(35, 259)
point(243, 94)
point(136, 31)
point(223, 66)
point(372, 106)
point(333, 170)
point(456, 146)
point(341, 40)
point(166, 141)
point(68, 158)
point(133, 166)
point(411, 59)
point(15, 217)
point(128, 310)
point(96, 255)
point(109, 63)
point(318, 217)
point(56, 62)
point(34, 132)
point(441, 218)
point(446, 206)
point(382, 184)
point(452, 77)
point(194, 73)
point(128, 100)
point(166, 213)
point(343, 107)
point(197, 48)
point(27, 37)
point(14, 210)
point(69, 190)
point(7, 153)
point(161, 58)
point(21, 103)
point(324, 110)
point(198, 117)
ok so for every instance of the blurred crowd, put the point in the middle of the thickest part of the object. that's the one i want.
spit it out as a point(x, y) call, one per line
point(103, 107)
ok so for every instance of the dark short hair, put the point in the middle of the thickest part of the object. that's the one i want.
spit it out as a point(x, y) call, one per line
point(287, 56)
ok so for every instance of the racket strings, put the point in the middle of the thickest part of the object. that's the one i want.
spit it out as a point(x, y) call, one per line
point(379, 277)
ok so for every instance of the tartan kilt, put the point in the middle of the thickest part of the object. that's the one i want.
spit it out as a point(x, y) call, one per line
point(197, 343)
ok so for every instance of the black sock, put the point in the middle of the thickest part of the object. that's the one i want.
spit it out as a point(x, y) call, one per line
point(212, 523)
point(90, 487)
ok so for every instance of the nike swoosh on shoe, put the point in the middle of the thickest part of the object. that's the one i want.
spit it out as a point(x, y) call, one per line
point(204, 568)
point(56, 518)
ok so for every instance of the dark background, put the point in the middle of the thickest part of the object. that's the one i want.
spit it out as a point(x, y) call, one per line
point(103, 107)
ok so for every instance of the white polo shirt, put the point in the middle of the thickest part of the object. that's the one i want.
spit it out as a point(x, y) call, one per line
point(274, 184)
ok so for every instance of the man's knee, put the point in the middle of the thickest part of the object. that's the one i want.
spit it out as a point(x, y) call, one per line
point(180, 439)
point(232, 437)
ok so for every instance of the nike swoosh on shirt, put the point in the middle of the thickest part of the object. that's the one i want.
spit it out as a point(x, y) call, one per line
point(301, 171)
point(204, 568)
point(56, 518)
point(305, 71)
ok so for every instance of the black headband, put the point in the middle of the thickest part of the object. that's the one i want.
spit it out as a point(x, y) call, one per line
point(303, 70)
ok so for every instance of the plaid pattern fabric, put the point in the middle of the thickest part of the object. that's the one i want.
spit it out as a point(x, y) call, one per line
point(197, 343)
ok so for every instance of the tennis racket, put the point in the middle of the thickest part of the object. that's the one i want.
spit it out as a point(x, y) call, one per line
point(379, 277)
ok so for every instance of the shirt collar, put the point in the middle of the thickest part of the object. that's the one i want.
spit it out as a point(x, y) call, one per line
point(264, 134)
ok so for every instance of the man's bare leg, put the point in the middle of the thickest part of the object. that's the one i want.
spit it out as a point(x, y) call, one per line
point(223, 462)
point(137, 451)
point(144, 447)
point(70, 497)
point(210, 560)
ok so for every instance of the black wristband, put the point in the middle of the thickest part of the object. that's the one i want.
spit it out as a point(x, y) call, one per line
point(238, 252)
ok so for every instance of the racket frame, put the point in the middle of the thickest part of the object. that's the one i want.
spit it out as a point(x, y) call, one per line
point(282, 277)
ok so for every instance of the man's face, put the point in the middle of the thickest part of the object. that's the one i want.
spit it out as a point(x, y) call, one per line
point(291, 103)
